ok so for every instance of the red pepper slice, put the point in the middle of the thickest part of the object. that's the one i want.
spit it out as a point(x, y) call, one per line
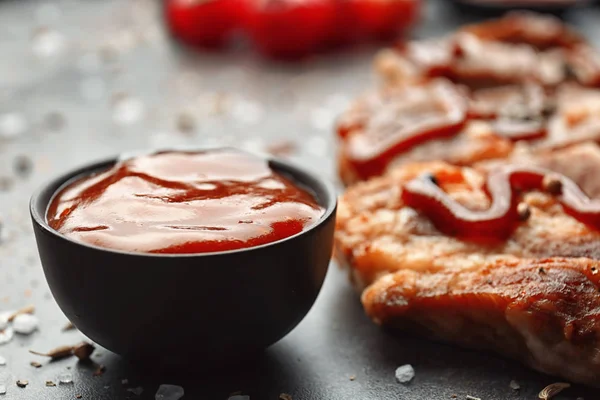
point(499, 221)
point(410, 116)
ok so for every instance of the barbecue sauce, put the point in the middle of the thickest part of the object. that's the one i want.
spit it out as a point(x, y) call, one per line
point(180, 202)
point(505, 187)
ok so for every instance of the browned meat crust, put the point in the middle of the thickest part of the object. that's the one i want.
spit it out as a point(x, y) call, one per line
point(534, 297)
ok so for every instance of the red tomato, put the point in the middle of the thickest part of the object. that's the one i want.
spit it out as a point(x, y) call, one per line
point(288, 29)
point(205, 23)
point(384, 19)
point(343, 30)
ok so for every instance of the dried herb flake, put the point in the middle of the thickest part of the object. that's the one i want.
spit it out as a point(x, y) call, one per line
point(552, 390)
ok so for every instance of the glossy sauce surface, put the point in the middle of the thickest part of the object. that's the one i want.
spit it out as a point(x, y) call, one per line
point(505, 187)
point(409, 117)
point(178, 202)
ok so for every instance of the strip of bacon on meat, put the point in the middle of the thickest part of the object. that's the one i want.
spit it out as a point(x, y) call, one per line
point(531, 293)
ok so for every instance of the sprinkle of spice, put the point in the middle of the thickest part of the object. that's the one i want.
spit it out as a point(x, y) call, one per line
point(431, 178)
point(57, 353)
point(22, 383)
point(23, 165)
point(78, 396)
point(552, 390)
point(523, 211)
point(282, 148)
point(35, 364)
point(186, 122)
point(83, 351)
point(285, 396)
point(68, 327)
point(552, 184)
point(352, 377)
point(6, 183)
point(50, 384)
point(542, 270)
point(25, 310)
point(100, 370)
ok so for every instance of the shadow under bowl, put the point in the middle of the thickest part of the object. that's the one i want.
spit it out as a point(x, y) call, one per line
point(208, 309)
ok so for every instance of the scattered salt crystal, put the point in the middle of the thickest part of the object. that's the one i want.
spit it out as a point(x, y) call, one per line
point(2, 389)
point(12, 125)
point(127, 110)
point(405, 373)
point(46, 43)
point(169, 392)
point(124, 381)
point(25, 323)
point(136, 390)
point(514, 385)
point(92, 88)
point(65, 378)
point(2, 361)
point(239, 397)
point(6, 335)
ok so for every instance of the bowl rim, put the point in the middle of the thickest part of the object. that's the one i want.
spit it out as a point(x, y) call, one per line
point(292, 169)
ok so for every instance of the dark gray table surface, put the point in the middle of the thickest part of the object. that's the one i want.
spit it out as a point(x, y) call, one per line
point(81, 80)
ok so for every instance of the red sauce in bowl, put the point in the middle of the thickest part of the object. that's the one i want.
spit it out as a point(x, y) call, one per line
point(181, 202)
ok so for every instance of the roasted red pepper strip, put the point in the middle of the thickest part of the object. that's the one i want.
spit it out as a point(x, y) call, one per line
point(423, 113)
point(499, 221)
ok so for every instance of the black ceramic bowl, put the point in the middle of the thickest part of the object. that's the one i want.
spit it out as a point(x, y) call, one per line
point(173, 309)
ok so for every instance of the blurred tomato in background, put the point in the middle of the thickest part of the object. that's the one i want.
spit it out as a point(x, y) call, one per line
point(290, 29)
